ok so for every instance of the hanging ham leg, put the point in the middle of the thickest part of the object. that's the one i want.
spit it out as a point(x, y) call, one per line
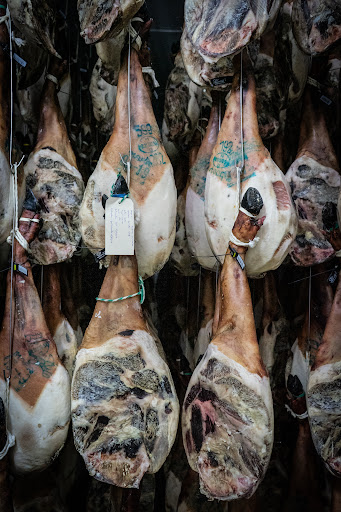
point(6, 185)
point(39, 403)
point(100, 19)
point(260, 173)
point(227, 421)
point(316, 24)
point(195, 199)
point(323, 391)
point(5, 495)
point(52, 175)
point(124, 405)
point(314, 179)
point(151, 177)
point(61, 330)
point(222, 28)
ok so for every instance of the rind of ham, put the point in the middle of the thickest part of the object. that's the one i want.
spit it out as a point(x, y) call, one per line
point(217, 75)
point(315, 181)
point(35, 20)
point(60, 187)
point(110, 54)
point(218, 29)
point(101, 19)
point(182, 104)
point(152, 185)
point(236, 406)
point(227, 420)
point(124, 404)
point(103, 98)
point(52, 176)
point(39, 399)
point(323, 391)
point(316, 24)
point(195, 198)
point(260, 172)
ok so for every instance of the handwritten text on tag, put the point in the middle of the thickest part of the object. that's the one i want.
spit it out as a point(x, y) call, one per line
point(119, 227)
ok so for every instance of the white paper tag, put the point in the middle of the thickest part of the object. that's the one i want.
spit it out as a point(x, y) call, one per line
point(119, 227)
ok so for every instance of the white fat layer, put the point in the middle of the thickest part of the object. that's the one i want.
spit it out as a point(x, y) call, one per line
point(325, 373)
point(40, 430)
point(66, 343)
point(300, 365)
point(278, 230)
point(203, 340)
point(196, 232)
point(155, 231)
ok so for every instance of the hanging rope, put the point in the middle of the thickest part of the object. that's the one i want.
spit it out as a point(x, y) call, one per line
point(10, 440)
point(241, 168)
point(141, 292)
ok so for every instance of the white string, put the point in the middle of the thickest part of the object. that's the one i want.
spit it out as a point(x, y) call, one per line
point(250, 243)
point(338, 254)
point(299, 416)
point(10, 438)
point(241, 209)
point(129, 120)
point(240, 169)
point(150, 71)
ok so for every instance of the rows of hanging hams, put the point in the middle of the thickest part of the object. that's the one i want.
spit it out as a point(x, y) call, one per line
point(201, 370)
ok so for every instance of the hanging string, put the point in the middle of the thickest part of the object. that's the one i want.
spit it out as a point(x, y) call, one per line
point(309, 310)
point(240, 168)
point(10, 439)
point(128, 164)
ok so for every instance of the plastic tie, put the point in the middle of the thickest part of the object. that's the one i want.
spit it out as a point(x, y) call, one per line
point(250, 243)
point(302, 416)
point(27, 219)
point(53, 79)
point(141, 292)
point(241, 209)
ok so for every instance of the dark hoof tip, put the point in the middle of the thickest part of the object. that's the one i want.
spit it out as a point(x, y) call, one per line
point(252, 201)
point(294, 385)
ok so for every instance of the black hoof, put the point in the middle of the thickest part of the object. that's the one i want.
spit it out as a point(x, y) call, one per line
point(294, 385)
point(252, 201)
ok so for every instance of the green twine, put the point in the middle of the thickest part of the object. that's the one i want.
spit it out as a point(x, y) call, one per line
point(141, 292)
point(2, 7)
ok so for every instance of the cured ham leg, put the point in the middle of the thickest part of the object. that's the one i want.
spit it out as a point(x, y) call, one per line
point(195, 199)
point(227, 420)
point(100, 19)
point(124, 405)
point(151, 177)
point(316, 24)
point(221, 28)
point(52, 175)
point(260, 174)
point(323, 391)
point(6, 185)
point(314, 179)
point(61, 330)
point(36, 21)
point(39, 402)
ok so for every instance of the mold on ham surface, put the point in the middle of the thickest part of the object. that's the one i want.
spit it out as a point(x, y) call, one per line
point(316, 24)
point(217, 29)
point(103, 19)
